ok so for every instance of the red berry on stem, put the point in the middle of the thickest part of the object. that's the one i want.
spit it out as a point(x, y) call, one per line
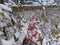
point(27, 38)
point(32, 27)
point(36, 18)
point(34, 34)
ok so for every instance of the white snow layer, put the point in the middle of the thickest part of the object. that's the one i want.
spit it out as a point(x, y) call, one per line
point(8, 42)
point(5, 7)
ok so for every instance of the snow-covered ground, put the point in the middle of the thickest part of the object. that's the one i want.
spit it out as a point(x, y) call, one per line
point(27, 27)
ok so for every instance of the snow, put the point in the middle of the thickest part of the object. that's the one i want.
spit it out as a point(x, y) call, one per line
point(13, 3)
point(44, 41)
point(1, 10)
point(22, 34)
point(59, 26)
point(36, 3)
point(21, 38)
point(8, 42)
point(17, 34)
point(48, 2)
point(44, 8)
point(6, 15)
point(1, 33)
point(24, 31)
point(3, 24)
point(7, 4)
point(2, 6)
point(44, 2)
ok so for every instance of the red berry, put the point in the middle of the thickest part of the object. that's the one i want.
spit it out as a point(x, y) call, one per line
point(32, 27)
point(34, 34)
point(27, 38)
point(36, 18)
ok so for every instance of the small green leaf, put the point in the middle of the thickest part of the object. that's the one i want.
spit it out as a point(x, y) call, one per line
point(44, 18)
point(16, 39)
point(21, 25)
